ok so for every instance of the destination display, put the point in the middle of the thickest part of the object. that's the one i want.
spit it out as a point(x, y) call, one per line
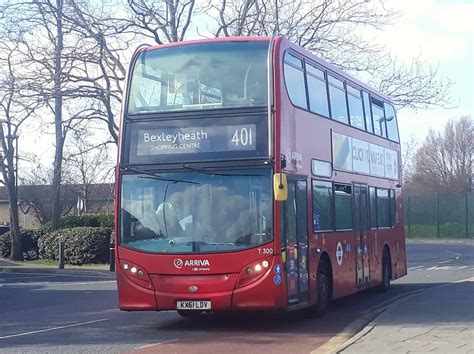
point(193, 140)
point(177, 141)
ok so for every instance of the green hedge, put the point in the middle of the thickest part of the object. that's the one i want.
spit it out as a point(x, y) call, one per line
point(90, 220)
point(29, 244)
point(82, 245)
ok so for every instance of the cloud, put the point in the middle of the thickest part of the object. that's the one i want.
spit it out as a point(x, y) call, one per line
point(437, 31)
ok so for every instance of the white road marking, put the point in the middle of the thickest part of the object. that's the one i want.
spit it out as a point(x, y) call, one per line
point(446, 268)
point(53, 329)
point(456, 254)
point(111, 310)
point(437, 268)
point(155, 344)
point(413, 268)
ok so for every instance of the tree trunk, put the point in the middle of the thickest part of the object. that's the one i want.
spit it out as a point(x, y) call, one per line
point(56, 207)
point(58, 123)
point(16, 251)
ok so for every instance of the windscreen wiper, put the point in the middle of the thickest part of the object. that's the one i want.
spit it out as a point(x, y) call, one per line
point(207, 172)
point(152, 175)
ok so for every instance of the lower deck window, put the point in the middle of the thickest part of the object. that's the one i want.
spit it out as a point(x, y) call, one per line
point(322, 206)
point(343, 206)
point(382, 207)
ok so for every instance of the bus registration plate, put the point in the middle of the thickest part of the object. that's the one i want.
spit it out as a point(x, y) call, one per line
point(193, 305)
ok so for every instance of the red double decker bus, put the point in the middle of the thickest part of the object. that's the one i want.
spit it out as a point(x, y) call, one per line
point(253, 175)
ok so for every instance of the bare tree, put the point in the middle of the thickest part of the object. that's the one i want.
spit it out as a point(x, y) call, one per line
point(102, 68)
point(110, 40)
point(336, 30)
point(50, 59)
point(15, 109)
point(444, 162)
point(35, 188)
point(86, 164)
point(162, 21)
point(408, 153)
point(416, 85)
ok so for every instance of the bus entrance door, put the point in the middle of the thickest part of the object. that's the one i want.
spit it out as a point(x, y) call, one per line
point(295, 241)
point(362, 241)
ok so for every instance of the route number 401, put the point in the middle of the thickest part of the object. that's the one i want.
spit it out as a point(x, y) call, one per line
point(265, 251)
point(243, 137)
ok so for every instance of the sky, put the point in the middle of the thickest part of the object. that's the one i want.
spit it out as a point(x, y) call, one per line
point(438, 30)
point(441, 32)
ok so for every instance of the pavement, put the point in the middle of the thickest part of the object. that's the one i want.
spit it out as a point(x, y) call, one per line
point(422, 323)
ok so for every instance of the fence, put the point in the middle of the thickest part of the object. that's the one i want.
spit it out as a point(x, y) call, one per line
point(439, 216)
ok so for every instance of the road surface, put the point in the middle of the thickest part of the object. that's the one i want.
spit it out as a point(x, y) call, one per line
point(57, 313)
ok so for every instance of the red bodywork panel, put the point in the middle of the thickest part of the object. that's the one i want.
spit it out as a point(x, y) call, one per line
point(165, 283)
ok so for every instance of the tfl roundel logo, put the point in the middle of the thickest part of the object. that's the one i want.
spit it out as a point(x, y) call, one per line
point(178, 263)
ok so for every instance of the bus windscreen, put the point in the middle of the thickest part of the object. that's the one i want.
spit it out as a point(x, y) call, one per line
point(200, 76)
point(196, 211)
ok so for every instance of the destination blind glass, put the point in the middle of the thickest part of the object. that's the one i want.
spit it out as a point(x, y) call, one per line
point(197, 140)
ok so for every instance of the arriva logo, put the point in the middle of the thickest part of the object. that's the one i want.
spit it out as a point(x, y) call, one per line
point(178, 263)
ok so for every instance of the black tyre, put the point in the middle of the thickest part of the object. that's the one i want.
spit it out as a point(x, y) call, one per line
point(324, 290)
point(386, 272)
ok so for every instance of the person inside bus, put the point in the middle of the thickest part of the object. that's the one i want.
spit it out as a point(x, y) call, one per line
point(163, 223)
point(178, 218)
point(250, 225)
point(143, 227)
point(168, 219)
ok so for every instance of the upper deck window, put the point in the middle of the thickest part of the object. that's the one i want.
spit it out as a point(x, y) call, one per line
point(378, 117)
point(368, 115)
point(200, 76)
point(337, 97)
point(355, 107)
point(391, 119)
point(294, 80)
point(318, 97)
